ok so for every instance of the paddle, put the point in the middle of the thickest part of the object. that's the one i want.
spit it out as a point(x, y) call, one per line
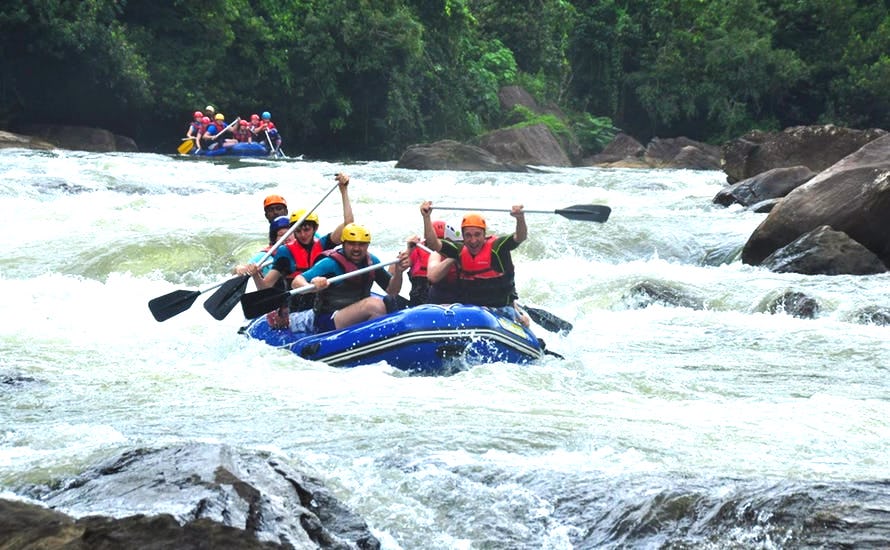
point(579, 212)
point(186, 146)
point(224, 300)
point(547, 320)
point(263, 301)
point(174, 303)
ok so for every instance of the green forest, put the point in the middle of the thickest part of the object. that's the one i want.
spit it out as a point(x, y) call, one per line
point(363, 79)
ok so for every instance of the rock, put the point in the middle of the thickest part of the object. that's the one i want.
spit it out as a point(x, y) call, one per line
point(9, 140)
point(772, 184)
point(535, 145)
point(621, 148)
point(796, 304)
point(824, 251)
point(872, 315)
point(852, 196)
point(647, 293)
point(816, 147)
point(452, 155)
point(81, 138)
point(510, 96)
point(682, 152)
point(764, 207)
point(250, 491)
point(24, 525)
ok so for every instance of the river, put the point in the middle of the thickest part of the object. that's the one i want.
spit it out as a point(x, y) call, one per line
point(712, 424)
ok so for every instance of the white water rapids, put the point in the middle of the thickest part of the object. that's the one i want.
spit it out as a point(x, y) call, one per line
point(659, 419)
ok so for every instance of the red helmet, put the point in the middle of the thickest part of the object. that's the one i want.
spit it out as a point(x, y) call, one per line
point(206, 120)
point(198, 114)
point(254, 117)
point(243, 123)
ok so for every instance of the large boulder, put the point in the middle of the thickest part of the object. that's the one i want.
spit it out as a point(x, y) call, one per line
point(772, 184)
point(824, 251)
point(622, 148)
point(81, 138)
point(816, 147)
point(682, 152)
point(852, 196)
point(26, 525)
point(250, 491)
point(533, 144)
point(9, 140)
point(453, 155)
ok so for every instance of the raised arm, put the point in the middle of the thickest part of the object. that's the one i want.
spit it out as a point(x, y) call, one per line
point(521, 228)
point(429, 234)
point(348, 218)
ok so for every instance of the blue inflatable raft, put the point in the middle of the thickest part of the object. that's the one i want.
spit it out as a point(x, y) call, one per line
point(237, 150)
point(428, 339)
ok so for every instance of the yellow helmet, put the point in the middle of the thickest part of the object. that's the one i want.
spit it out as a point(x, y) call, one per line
point(220, 116)
point(356, 233)
point(311, 218)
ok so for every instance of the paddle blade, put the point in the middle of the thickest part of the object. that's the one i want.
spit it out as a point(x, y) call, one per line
point(168, 305)
point(586, 212)
point(186, 147)
point(263, 301)
point(548, 320)
point(224, 300)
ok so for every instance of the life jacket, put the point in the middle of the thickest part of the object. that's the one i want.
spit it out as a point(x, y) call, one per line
point(484, 281)
point(196, 128)
point(347, 291)
point(419, 260)
point(242, 134)
point(304, 259)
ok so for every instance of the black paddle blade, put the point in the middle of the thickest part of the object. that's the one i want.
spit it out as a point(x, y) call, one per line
point(548, 320)
point(586, 212)
point(263, 301)
point(224, 300)
point(168, 305)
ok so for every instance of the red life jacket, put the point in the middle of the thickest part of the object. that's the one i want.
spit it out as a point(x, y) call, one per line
point(478, 266)
point(419, 260)
point(304, 258)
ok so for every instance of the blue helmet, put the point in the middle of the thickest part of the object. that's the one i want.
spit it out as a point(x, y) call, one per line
point(267, 115)
point(278, 223)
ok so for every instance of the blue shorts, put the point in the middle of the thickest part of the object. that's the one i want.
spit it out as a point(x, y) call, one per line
point(324, 322)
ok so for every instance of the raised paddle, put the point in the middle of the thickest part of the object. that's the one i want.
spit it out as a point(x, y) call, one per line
point(174, 303)
point(263, 301)
point(227, 297)
point(579, 212)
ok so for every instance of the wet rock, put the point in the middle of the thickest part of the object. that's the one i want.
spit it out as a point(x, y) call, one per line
point(647, 293)
point(852, 196)
point(824, 251)
point(772, 184)
point(764, 207)
point(25, 526)
point(535, 145)
point(682, 152)
point(248, 491)
point(816, 147)
point(81, 138)
point(872, 315)
point(796, 304)
point(452, 155)
point(9, 139)
point(621, 148)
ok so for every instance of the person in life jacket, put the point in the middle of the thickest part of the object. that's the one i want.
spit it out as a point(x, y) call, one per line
point(242, 133)
point(196, 126)
point(263, 131)
point(276, 275)
point(420, 258)
point(485, 265)
point(274, 206)
point(307, 247)
point(349, 301)
point(213, 134)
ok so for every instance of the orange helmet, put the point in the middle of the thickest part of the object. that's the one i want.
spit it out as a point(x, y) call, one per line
point(274, 199)
point(473, 220)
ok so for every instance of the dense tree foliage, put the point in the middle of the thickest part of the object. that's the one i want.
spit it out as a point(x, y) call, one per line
point(364, 79)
